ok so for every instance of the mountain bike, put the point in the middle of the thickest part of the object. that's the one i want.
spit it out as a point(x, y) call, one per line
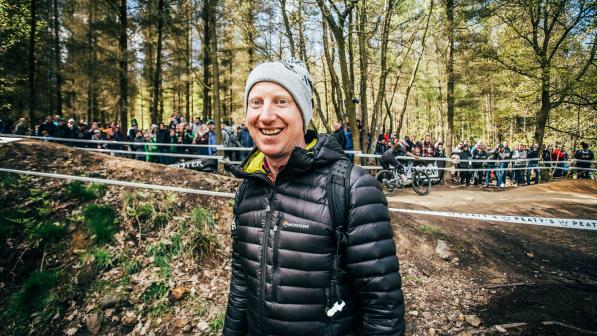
point(391, 179)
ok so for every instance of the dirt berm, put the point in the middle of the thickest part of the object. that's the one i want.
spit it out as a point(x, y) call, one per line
point(159, 264)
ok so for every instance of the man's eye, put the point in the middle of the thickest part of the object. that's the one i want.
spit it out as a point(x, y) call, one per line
point(255, 102)
point(282, 101)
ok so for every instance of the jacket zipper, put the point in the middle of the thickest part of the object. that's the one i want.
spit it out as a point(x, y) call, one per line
point(268, 220)
point(276, 268)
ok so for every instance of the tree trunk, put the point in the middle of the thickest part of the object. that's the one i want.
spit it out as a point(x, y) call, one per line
point(32, 94)
point(57, 62)
point(413, 76)
point(214, 60)
point(364, 63)
point(157, 78)
point(337, 29)
point(188, 56)
point(123, 65)
point(303, 56)
point(206, 59)
point(336, 92)
point(381, 90)
point(287, 28)
point(450, 75)
point(543, 113)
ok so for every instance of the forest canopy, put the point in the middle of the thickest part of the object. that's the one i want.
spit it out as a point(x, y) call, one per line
point(522, 71)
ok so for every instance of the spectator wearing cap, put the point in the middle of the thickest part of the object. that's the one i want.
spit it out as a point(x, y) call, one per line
point(465, 164)
point(520, 157)
point(245, 140)
point(533, 155)
point(212, 138)
point(583, 155)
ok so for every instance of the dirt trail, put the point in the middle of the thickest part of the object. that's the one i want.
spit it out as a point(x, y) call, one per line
point(522, 277)
point(570, 191)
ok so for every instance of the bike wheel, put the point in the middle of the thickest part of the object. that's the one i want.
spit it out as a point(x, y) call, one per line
point(383, 176)
point(421, 182)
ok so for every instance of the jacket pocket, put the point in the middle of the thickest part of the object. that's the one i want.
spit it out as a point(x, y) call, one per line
point(275, 263)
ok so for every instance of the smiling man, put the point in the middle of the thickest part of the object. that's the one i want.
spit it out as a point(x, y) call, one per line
point(295, 270)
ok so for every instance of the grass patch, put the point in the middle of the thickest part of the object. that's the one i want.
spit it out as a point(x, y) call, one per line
point(129, 265)
point(45, 233)
point(78, 190)
point(101, 222)
point(155, 291)
point(218, 324)
point(412, 278)
point(202, 239)
point(162, 254)
point(34, 305)
point(100, 257)
point(429, 229)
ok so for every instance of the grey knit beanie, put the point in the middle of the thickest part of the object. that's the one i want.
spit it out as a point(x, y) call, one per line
point(292, 75)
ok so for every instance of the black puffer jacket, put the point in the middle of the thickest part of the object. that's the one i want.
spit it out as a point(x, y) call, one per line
point(283, 248)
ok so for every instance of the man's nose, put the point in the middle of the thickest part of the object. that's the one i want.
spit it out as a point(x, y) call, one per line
point(267, 113)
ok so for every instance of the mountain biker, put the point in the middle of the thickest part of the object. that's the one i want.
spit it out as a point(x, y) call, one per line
point(398, 148)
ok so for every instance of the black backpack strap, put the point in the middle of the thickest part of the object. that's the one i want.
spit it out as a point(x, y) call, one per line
point(338, 193)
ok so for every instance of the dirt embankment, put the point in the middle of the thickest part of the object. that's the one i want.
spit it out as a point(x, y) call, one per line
point(526, 279)
point(491, 278)
point(160, 267)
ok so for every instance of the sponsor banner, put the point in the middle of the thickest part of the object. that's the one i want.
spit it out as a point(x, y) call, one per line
point(568, 223)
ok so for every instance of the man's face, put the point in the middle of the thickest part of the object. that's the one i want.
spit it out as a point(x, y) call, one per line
point(506, 144)
point(274, 120)
point(427, 138)
point(337, 126)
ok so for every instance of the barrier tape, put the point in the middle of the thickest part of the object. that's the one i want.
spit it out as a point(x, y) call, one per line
point(120, 183)
point(223, 148)
point(567, 223)
point(190, 164)
point(100, 150)
point(111, 142)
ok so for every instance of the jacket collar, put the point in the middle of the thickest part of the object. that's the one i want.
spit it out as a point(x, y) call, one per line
point(321, 149)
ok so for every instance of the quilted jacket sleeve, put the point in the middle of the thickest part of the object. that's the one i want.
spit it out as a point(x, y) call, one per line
point(236, 313)
point(371, 262)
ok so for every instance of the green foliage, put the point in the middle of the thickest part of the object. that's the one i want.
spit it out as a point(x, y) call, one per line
point(46, 232)
point(162, 254)
point(161, 220)
point(78, 190)
point(429, 229)
point(101, 222)
point(143, 212)
point(13, 220)
point(8, 180)
point(155, 291)
point(129, 265)
point(412, 278)
point(202, 218)
point(218, 324)
point(202, 240)
point(101, 257)
point(33, 305)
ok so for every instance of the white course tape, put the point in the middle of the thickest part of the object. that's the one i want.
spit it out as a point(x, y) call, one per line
point(568, 223)
point(120, 183)
point(585, 224)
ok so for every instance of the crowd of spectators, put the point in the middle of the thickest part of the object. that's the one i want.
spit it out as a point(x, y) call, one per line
point(176, 131)
point(479, 163)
